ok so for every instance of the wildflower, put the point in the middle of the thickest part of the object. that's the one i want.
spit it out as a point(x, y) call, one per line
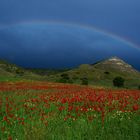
point(65, 118)
point(61, 108)
point(70, 108)
point(5, 118)
point(63, 101)
point(135, 107)
point(9, 138)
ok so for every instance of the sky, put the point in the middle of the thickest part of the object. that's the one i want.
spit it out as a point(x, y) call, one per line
point(119, 17)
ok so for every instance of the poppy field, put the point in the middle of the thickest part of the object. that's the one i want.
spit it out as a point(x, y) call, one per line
point(55, 111)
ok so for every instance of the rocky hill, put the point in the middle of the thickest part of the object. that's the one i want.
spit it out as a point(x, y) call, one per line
point(117, 64)
point(102, 73)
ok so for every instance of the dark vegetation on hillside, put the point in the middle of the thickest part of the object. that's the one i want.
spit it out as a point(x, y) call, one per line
point(47, 72)
point(118, 82)
point(102, 73)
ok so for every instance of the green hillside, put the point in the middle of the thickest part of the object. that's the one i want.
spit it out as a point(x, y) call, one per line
point(101, 73)
point(12, 72)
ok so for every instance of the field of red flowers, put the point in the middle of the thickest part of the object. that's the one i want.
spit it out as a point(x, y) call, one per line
point(52, 111)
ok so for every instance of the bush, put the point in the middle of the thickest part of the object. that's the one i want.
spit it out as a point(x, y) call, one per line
point(118, 82)
point(19, 71)
point(84, 81)
point(139, 87)
point(65, 78)
point(106, 72)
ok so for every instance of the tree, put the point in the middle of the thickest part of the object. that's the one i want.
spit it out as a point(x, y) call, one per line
point(84, 81)
point(118, 81)
point(19, 71)
point(65, 78)
point(106, 72)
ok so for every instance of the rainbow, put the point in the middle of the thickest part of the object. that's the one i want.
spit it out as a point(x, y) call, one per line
point(87, 27)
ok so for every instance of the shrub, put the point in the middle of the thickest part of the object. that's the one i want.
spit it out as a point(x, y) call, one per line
point(65, 76)
point(118, 82)
point(19, 71)
point(106, 72)
point(84, 81)
point(139, 87)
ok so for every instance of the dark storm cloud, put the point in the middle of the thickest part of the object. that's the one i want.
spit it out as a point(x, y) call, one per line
point(118, 16)
point(58, 46)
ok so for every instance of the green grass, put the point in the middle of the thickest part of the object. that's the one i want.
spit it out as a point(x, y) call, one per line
point(52, 125)
point(9, 78)
point(80, 129)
